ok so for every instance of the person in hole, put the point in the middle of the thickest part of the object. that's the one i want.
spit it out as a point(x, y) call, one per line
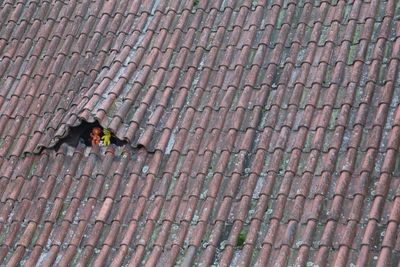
point(100, 137)
point(106, 138)
point(90, 134)
point(95, 136)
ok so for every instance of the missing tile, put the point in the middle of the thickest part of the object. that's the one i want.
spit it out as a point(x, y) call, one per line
point(89, 134)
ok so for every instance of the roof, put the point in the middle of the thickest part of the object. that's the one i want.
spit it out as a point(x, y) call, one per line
point(257, 133)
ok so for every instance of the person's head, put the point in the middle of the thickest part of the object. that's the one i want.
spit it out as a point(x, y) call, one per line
point(96, 131)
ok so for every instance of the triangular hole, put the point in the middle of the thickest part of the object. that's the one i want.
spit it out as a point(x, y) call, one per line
point(89, 134)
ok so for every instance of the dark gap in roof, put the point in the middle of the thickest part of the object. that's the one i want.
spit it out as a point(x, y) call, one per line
point(89, 134)
point(139, 146)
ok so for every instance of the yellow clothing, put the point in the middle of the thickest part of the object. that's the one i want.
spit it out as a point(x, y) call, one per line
point(106, 138)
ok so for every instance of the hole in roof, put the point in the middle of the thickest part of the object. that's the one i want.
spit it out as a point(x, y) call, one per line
point(90, 134)
point(139, 146)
